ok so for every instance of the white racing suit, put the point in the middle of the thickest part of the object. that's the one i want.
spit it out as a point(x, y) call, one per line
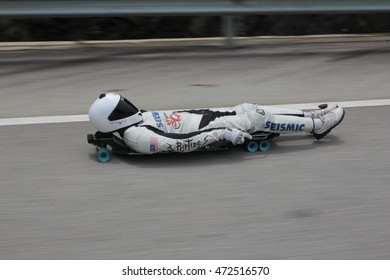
point(189, 130)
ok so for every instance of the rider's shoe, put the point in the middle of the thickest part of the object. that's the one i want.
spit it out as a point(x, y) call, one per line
point(330, 121)
point(324, 109)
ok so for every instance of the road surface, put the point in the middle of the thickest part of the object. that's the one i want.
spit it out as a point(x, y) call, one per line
point(304, 199)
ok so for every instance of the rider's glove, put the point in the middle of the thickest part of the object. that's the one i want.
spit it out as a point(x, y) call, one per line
point(236, 136)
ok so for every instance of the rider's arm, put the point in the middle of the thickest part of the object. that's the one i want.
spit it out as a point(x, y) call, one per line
point(148, 140)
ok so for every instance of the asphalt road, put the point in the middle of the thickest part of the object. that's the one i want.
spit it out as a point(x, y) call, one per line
point(304, 199)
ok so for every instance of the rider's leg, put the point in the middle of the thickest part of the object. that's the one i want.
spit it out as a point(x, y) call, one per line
point(264, 120)
point(246, 107)
point(324, 109)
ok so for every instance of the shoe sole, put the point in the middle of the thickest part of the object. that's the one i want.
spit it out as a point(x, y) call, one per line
point(325, 105)
point(319, 136)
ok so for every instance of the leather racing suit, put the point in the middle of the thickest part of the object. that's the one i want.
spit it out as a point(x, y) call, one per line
point(189, 130)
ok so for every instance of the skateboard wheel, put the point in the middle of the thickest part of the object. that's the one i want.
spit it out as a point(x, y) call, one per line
point(264, 146)
point(104, 155)
point(252, 146)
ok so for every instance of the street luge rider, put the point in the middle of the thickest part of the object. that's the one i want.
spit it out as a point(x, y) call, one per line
point(190, 130)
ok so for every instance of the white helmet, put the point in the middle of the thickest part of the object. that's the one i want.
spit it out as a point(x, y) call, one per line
point(111, 112)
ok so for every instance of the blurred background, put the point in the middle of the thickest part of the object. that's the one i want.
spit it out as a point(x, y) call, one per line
point(114, 28)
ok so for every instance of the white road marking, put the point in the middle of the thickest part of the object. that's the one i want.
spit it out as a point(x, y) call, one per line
point(44, 120)
point(344, 104)
point(84, 118)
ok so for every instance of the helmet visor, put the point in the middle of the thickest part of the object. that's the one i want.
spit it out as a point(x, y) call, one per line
point(123, 110)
